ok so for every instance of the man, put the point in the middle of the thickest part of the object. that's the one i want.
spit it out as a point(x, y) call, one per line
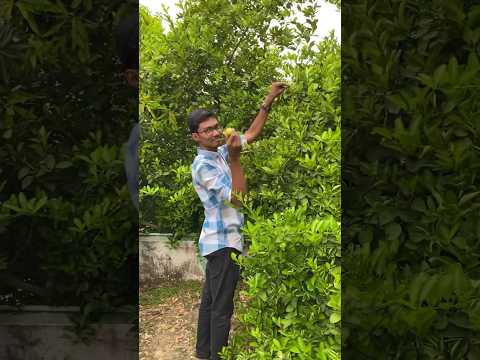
point(127, 46)
point(217, 174)
point(126, 41)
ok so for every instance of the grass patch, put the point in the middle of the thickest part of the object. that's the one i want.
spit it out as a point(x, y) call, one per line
point(158, 295)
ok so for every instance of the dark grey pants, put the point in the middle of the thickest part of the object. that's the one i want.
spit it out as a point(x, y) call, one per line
point(216, 306)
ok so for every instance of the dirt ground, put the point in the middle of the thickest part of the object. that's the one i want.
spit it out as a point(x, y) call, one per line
point(168, 321)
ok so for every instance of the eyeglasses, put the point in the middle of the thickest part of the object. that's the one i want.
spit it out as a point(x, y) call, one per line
point(211, 129)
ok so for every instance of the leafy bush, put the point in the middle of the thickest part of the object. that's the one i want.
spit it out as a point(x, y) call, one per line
point(292, 269)
point(410, 246)
point(293, 289)
point(68, 230)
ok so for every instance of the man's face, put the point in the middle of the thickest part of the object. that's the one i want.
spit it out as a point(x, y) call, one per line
point(209, 134)
point(131, 76)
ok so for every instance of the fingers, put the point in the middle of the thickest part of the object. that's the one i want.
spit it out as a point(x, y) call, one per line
point(233, 140)
point(280, 84)
point(278, 87)
point(229, 140)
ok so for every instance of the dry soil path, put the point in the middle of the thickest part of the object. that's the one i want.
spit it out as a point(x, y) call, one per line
point(168, 320)
point(167, 329)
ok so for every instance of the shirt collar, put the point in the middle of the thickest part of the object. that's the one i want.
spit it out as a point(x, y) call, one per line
point(207, 153)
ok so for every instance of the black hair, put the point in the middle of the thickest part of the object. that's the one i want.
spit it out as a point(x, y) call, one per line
point(196, 117)
point(127, 41)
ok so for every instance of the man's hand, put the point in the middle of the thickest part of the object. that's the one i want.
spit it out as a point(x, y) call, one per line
point(234, 146)
point(277, 89)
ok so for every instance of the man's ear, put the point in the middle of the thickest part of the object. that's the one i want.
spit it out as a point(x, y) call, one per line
point(195, 137)
point(132, 77)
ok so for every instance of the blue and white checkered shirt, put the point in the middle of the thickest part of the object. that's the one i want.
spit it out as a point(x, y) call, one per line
point(212, 180)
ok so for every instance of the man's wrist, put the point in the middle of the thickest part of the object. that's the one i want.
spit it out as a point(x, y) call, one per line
point(234, 158)
point(267, 103)
point(268, 100)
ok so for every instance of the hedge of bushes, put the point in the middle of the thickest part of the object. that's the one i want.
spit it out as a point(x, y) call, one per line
point(68, 230)
point(411, 201)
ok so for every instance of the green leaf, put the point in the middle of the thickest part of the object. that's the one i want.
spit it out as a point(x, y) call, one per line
point(427, 288)
point(25, 10)
point(54, 29)
point(416, 286)
point(393, 231)
point(467, 197)
point(426, 80)
point(440, 75)
point(453, 69)
point(23, 172)
point(78, 223)
point(335, 317)
point(64, 164)
point(22, 200)
point(385, 216)
point(40, 203)
point(27, 181)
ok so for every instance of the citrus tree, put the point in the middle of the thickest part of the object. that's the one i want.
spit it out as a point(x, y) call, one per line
point(226, 63)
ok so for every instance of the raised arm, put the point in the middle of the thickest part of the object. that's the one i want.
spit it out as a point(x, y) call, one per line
point(256, 127)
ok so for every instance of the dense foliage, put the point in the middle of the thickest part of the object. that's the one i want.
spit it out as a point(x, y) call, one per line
point(66, 224)
point(411, 125)
point(227, 63)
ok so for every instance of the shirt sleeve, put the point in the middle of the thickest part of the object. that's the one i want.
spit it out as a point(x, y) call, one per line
point(243, 139)
point(223, 151)
point(215, 181)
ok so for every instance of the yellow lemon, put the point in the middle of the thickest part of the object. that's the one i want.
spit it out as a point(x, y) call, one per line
point(228, 132)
